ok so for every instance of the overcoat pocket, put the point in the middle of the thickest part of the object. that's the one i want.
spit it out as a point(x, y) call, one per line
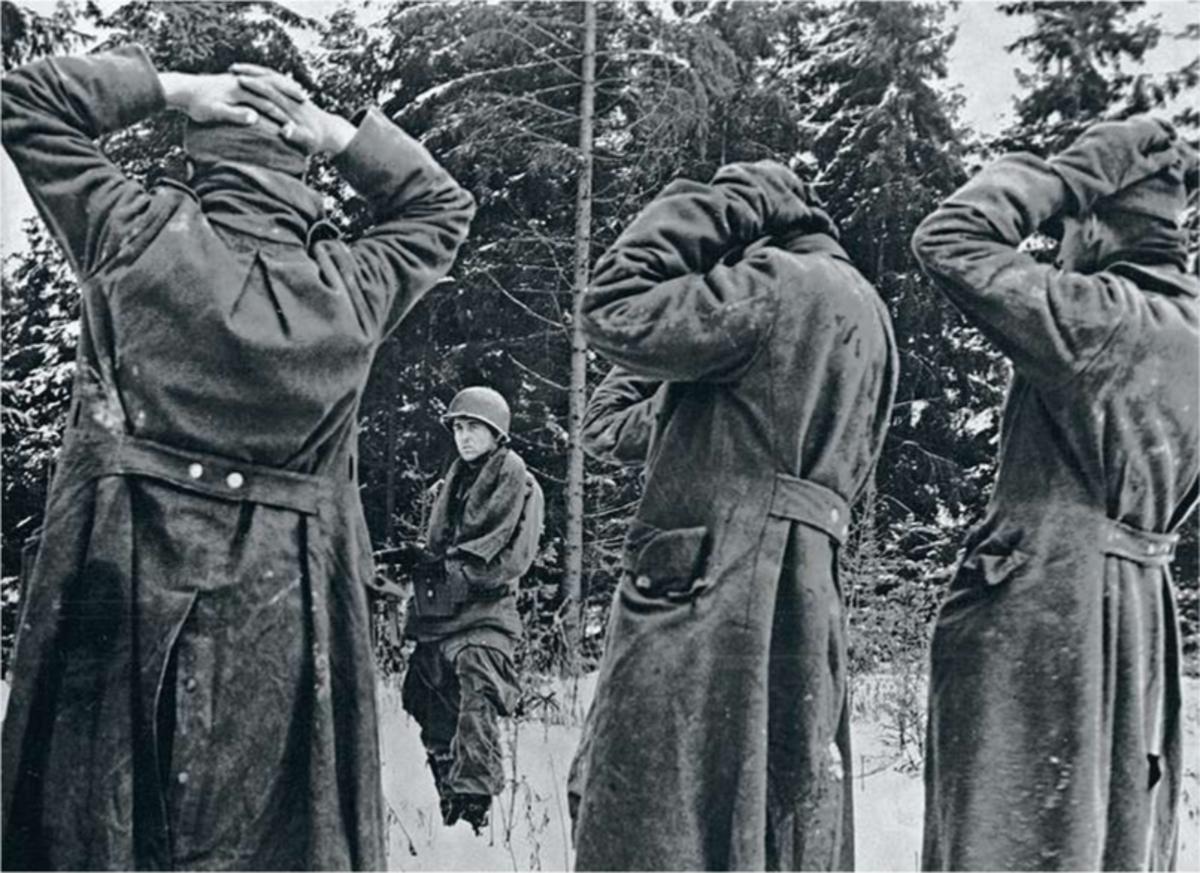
point(992, 563)
point(667, 563)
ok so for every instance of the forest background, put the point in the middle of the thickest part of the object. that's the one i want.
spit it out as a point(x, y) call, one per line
point(564, 119)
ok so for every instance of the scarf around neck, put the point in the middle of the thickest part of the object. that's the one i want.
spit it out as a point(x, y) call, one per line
point(492, 509)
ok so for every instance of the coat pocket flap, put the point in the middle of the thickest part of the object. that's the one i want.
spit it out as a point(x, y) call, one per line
point(996, 568)
point(670, 554)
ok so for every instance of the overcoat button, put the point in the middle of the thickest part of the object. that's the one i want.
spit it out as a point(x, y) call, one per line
point(195, 471)
point(190, 685)
point(235, 480)
point(643, 582)
point(182, 778)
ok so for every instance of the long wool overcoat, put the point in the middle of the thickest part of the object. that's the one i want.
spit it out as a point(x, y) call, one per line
point(718, 737)
point(1054, 726)
point(209, 466)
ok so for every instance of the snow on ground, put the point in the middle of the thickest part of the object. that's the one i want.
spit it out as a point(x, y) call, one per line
point(530, 826)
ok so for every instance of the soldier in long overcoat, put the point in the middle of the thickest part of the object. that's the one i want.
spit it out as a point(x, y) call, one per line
point(719, 735)
point(193, 679)
point(1054, 723)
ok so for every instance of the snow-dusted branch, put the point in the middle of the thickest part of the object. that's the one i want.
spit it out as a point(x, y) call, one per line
point(525, 368)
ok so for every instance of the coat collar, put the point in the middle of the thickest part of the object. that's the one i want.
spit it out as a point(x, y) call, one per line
point(255, 201)
point(813, 243)
point(803, 244)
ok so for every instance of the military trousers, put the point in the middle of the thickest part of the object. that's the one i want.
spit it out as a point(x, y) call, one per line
point(457, 690)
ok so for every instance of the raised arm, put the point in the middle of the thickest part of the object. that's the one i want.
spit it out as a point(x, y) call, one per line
point(619, 420)
point(54, 110)
point(662, 301)
point(421, 215)
point(1051, 323)
point(421, 218)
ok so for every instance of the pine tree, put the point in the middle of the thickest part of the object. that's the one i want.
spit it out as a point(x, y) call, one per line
point(1082, 56)
point(888, 150)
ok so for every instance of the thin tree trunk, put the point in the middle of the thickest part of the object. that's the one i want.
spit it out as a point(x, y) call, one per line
point(389, 493)
point(572, 583)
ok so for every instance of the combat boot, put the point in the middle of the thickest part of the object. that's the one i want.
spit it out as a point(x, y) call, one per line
point(471, 808)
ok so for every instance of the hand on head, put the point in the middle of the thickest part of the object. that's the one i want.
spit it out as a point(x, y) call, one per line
point(209, 99)
point(301, 122)
point(781, 198)
point(1113, 155)
point(248, 93)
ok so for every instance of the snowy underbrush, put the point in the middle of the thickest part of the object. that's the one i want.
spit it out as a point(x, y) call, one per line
point(891, 704)
point(530, 827)
point(530, 823)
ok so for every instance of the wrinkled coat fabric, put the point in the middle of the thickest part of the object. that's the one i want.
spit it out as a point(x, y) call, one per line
point(192, 680)
point(491, 512)
point(718, 737)
point(1054, 727)
point(618, 422)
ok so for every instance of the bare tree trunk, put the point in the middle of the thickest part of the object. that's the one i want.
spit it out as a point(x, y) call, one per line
point(572, 583)
point(389, 493)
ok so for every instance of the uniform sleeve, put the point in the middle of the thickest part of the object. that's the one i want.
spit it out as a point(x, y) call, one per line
point(1052, 324)
point(54, 110)
point(666, 303)
point(421, 218)
point(619, 419)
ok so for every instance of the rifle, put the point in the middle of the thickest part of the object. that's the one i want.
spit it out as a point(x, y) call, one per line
point(411, 558)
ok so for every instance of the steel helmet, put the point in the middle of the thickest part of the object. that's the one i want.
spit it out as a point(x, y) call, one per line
point(481, 404)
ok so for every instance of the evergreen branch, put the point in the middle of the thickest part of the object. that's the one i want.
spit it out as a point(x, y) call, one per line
point(544, 475)
point(445, 88)
point(907, 509)
point(935, 460)
point(540, 50)
point(565, 277)
point(522, 306)
point(537, 444)
point(546, 32)
point(534, 373)
point(615, 510)
point(537, 104)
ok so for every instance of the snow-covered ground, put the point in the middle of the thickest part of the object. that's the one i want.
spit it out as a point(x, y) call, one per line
point(530, 826)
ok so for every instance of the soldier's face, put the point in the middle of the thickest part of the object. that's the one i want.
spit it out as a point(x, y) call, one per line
point(472, 438)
